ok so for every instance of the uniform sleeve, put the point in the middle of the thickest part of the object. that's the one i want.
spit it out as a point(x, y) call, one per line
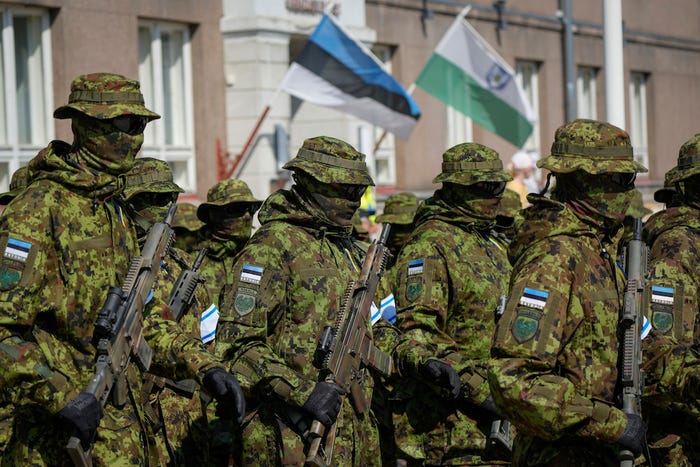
point(29, 370)
point(422, 299)
point(540, 313)
point(671, 365)
point(250, 307)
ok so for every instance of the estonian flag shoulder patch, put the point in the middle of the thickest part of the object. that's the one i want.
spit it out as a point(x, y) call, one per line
point(415, 267)
point(662, 295)
point(534, 298)
point(252, 274)
point(17, 250)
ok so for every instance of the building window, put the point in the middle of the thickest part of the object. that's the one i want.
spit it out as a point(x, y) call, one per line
point(459, 127)
point(526, 73)
point(165, 72)
point(638, 117)
point(26, 123)
point(586, 93)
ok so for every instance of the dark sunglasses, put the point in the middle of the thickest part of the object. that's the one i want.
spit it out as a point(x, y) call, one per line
point(129, 124)
point(351, 192)
point(625, 180)
point(489, 189)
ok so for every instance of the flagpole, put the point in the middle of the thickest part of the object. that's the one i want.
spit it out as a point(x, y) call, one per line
point(240, 159)
point(462, 14)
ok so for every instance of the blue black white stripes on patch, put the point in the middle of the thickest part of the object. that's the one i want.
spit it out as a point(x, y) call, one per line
point(534, 298)
point(251, 274)
point(663, 295)
point(17, 250)
point(415, 267)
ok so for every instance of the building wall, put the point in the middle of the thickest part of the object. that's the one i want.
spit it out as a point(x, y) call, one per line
point(102, 35)
point(658, 41)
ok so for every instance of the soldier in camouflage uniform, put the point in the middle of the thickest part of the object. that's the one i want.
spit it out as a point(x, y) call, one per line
point(228, 221)
point(65, 240)
point(452, 279)
point(670, 355)
point(399, 210)
point(186, 225)
point(18, 182)
point(172, 407)
point(290, 280)
point(555, 367)
point(668, 194)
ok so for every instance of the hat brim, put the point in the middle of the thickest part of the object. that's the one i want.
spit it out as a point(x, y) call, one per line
point(571, 164)
point(104, 111)
point(472, 177)
point(152, 187)
point(676, 175)
point(397, 219)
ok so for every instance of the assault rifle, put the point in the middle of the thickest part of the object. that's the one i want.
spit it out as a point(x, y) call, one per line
point(182, 295)
point(119, 328)
point(342, 349)
point(631, 377)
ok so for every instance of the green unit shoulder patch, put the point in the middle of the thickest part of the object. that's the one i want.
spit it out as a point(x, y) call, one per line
point(526, 323)
point(9, 277)
point(244, 301)
point(662, 317)
point(414, 288)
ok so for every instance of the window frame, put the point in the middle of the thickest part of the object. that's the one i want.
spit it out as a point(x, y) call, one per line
point(586, 92)
point(532, 93)
point(639, 124)
point(13, 152)
point(155, 144)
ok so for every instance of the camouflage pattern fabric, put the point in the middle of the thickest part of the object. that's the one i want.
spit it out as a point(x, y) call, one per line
point(225, 232)
point(688, 161)
point(451, 280)
point(65, 241)
point(18, 182)
point(289, 282)
point(670, 352)
point(186, 225)
point(556, 351)
point(330, 160)
point(450, 277)
point(577, 146)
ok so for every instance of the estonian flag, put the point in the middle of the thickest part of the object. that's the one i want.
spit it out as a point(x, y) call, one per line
point(334, 70)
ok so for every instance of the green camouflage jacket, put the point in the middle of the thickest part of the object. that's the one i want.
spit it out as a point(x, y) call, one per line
point(556, 352)
point(450, 277)
point(288, 284)
point(65, 241)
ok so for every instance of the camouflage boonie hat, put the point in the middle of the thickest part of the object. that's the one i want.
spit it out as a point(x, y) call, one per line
point(592, 146)
point(224, 193)
point(149, 175)
point(510, 204)
point(399, 208)
point(18, 182)
point(665, 195)
point(330, 160)
point(688, 160)
point(636, 209)
point(104, 96)
point(186, 217)
point(470, 163)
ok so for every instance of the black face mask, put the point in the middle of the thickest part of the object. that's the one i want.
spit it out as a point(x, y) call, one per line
point(338, 200)
point(606, 195)
point(480, 200)
point(231, 222)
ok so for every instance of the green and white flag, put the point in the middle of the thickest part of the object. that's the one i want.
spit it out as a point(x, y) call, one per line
point(465, 73)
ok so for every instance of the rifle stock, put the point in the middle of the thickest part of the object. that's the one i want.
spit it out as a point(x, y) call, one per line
point(631, 322)
point(119, 328)
point(348, 346)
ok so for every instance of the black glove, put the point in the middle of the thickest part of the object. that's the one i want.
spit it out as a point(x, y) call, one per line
point(84, 413)
point(442, 375)
point(489, 406)
point(225, 389)
point(634, 435)
point(324, 402)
